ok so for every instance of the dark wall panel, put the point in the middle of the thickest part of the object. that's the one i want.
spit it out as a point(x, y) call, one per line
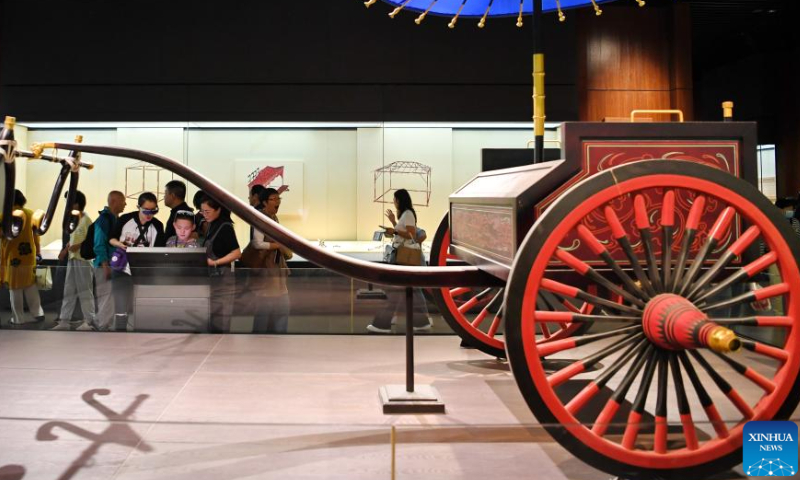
point(261, 60)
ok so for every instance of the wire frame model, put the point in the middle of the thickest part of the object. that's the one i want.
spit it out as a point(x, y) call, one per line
point(399, 175)
point(143, 177)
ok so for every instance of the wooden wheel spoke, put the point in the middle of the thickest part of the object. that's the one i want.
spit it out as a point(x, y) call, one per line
point(705, 399)
point(766, 384)
point(569, 306)
point(467, 306)
point(545, 330)
point(586, 270)
point(567, 317)
point(600, 250)
point(660, 443)
point(684, 409)
point(758, 321)
point(556, 346)
point(494, 306)
point(748, 271)
point(755, 295)
point(556, 303)
point(458, 291)
point(692, 222)
point(621, 236)
point(643, 224)
point(766, 350)
point(723, 385)
point(574, 292)
point(606, 416)
point(635, 416)
point(579, 366)
point(667, 230)
point(736, 249)
point(594, 387)
point(480, 317)
point(716, 235)
point(495, 324)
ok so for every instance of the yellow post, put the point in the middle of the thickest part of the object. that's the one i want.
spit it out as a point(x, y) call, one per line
point(393, 441)
point(538, 98)
point(727, 111)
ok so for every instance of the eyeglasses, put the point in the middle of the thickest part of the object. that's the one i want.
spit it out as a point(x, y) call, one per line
point(148, 211)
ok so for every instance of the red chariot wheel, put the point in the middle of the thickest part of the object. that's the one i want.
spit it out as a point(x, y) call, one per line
point(476, 314)
point(652, 390)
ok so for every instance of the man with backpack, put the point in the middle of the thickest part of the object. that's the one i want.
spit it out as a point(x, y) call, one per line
point(101, 252)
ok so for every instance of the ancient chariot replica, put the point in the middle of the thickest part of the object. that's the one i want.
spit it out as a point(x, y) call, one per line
point(622, 277)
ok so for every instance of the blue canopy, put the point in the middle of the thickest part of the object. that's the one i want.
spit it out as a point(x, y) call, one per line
point(477, 8)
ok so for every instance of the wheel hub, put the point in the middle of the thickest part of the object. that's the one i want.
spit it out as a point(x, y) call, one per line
point(674, 323)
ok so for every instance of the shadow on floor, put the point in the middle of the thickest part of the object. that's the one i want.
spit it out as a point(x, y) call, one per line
point(12, 472)
point(118, 432)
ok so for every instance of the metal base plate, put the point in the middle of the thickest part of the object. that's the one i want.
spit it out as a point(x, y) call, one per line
point(367, 294)
point(424, 399)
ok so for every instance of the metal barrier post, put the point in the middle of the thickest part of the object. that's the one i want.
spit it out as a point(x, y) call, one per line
point(410, 398)
point(409, 340)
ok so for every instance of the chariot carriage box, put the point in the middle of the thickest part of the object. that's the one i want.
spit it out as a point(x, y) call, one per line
point(492, 213)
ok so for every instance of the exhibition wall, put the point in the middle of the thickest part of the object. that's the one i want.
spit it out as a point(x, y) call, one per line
point(329, 170)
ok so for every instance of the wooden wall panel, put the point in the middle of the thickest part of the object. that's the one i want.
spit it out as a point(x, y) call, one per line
point(787, 145)
point(681, 78)
point(602, 104)
point(634, 58)
point(625, 49)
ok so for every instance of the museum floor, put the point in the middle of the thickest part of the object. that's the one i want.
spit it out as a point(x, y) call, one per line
point(84, 405)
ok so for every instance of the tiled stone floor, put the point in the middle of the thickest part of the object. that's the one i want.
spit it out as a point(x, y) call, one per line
point(82, 405)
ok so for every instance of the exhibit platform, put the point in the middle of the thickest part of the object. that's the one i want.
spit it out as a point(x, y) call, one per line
point(87, 405)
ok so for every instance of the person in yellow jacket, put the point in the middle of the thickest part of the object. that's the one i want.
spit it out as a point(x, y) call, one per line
point(18, 268)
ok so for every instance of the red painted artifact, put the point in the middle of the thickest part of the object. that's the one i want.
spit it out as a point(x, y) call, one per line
point(674, 323)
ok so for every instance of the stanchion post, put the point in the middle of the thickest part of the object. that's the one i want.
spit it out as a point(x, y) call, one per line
point(409, 340)
point(410, 398)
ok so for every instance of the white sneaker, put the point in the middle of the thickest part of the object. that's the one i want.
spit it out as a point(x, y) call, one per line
point(374, 329)
point(85, 327)
point(61, 326)
point(425, 328)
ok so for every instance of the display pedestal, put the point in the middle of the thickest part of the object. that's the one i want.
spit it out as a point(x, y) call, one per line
point(406, 398)
point(370, 293)
point(424, 399)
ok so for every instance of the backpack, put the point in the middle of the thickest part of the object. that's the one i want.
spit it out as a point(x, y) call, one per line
point(87, 247)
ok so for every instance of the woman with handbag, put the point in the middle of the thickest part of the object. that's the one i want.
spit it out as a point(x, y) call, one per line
point(222, 249)
point(266, 281)
point(18, 267)
point(406, 250)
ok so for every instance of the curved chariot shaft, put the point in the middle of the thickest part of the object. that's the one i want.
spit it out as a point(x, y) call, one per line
point(70, 167)
point(359, 269)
